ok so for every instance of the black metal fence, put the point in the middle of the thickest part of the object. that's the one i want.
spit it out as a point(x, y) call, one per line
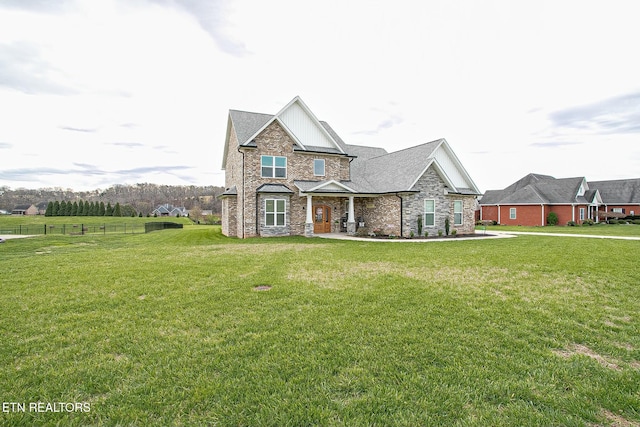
point(81, 229)
point(153, 226)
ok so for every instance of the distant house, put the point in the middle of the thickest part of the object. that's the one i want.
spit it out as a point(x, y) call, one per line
point(619, 196)
point(291, 174)
point(529, 200)
point(170, 210)
point(25, 210)
point(42, 208)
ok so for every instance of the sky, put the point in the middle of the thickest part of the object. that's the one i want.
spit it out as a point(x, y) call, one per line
point(101, 92)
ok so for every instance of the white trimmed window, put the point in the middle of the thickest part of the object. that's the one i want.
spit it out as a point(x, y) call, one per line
point(273, 166)
point(457, 212)
point(512, 213)
point(318, 167)
point(581, 214)
point(429, 213)
point(275, 213)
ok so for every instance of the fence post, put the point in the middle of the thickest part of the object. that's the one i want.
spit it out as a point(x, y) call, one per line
point(45, 229)
point(82, 229)
point(64, 229)
point(20, 229)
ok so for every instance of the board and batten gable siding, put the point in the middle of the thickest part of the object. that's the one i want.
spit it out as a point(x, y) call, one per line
point(447, 163)
point(305, 129)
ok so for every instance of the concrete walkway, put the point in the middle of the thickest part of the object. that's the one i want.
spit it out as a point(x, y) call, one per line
point(344, 236)
point(587, 236)
point(14, 236)
point(489, 235)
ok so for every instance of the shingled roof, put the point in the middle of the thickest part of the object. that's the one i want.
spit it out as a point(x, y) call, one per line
point(538, 189)
point(373, 169)
point(618, 192)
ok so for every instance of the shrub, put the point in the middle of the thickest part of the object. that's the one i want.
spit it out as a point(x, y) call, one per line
point(439, 233)
point(446, 226)
point(419, 226)
point(552, 218)
point(411, 235)
point(636, 221)
point(614, 221)
point(571, 224)
point(587, 222)
point(454, 232)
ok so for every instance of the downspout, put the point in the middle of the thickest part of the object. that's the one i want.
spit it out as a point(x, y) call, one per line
point(242, 225)
point(257, 212)
point(400, 197)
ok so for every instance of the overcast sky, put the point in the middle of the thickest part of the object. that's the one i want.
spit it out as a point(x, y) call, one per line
point(101, 92)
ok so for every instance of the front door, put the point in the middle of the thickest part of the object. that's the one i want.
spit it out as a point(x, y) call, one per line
point(321, 219)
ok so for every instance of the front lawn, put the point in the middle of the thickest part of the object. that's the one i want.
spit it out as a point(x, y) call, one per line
point(632, 230)
point(187, 327)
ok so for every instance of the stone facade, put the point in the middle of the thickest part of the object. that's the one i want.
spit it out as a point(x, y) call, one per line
point(273, 141)
point(243, 215)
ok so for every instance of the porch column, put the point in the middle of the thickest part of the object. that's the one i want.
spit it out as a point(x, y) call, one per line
point(308, 224)
point(351, 220)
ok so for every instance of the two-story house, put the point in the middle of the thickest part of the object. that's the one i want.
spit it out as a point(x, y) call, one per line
point(291, 174)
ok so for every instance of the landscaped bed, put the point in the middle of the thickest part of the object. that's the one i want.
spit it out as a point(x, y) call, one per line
point(186, 327)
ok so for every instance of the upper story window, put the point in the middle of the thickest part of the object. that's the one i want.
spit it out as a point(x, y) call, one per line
point(318, 167)
point(273, 167)
point(457, 212)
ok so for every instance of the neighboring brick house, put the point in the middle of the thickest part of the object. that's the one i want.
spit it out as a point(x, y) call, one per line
point(620, 196)
point(529, 200)
point(291, 174)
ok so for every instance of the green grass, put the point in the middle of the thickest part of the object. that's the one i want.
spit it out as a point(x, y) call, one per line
point(166, 329)
point(597, 230)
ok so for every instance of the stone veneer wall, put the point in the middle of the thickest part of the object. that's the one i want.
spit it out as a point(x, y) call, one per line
point(229, 215)
point(379, 213)
point(232, 217)
point(272, 231)
point(431, 186)
point(468, 214)
point(274, 141)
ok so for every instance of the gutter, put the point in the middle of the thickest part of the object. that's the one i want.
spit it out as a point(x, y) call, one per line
point(401, 209)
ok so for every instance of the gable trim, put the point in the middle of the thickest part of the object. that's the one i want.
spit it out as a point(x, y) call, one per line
point(308, 112)
point(328, 183)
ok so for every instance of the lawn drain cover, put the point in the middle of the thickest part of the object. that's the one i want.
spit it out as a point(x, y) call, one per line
point(262, 288)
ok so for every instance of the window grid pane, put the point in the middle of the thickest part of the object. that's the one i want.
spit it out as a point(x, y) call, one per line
point(457, 212)
point(430, 210)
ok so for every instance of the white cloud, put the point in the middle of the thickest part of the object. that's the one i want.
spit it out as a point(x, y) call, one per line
point(129, 86)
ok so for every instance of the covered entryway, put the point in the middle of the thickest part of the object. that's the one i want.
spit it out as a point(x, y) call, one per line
point(321, 219)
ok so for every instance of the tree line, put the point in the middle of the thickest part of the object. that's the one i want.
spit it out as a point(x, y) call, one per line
point(144, 197)
point(86, 208)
